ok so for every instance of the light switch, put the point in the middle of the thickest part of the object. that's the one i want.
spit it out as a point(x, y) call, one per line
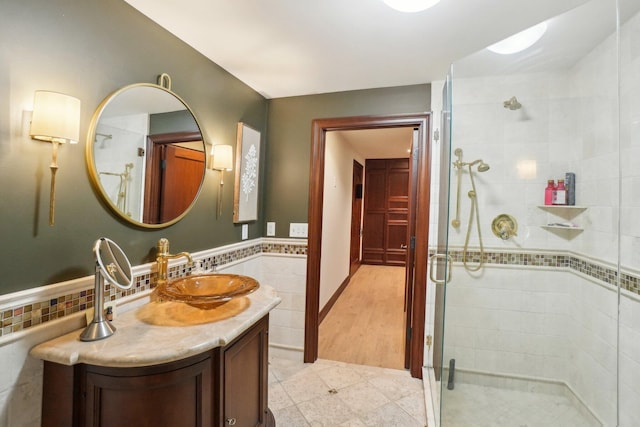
point(245, 231)
point(298, 229)
point(271, 228)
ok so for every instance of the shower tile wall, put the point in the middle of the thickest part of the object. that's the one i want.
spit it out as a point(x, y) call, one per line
point(540, 322)
point(629, 214)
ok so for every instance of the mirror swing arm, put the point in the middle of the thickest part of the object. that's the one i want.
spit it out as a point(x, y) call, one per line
point(113, 266)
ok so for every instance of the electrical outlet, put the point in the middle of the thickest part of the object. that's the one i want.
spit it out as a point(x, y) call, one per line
point(298, 229)
point(271, 229)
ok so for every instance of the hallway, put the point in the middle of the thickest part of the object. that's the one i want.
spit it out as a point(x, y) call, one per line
point(366, 324)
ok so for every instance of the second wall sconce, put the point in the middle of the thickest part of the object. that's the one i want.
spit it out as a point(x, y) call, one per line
point(222, 161)
point(55, 119)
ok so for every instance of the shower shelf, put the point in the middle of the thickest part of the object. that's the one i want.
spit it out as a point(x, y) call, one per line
point(566, 213)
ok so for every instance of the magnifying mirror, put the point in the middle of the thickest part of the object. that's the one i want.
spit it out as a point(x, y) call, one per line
point(113, 267)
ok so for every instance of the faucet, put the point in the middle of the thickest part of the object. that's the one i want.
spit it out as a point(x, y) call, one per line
point(163, 257)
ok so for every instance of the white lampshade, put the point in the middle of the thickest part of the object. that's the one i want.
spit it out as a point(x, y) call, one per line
point(56, 117)
point(222, 157)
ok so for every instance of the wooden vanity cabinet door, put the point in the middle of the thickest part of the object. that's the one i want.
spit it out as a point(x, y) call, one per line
point(245, 378)
point(170, 395)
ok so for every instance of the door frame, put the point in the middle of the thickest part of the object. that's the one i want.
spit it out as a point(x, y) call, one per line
point(356, 217)
point(320, 127)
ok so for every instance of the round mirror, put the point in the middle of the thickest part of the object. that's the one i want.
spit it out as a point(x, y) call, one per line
point(146, 155)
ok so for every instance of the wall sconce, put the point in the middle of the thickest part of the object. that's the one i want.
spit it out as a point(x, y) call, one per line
point(55, 119)
point(222, 161)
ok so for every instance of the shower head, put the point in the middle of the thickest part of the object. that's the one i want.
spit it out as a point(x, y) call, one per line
point(482, 166)
point(512, 104)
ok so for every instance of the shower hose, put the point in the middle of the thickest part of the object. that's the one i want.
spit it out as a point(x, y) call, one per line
point(472, 211)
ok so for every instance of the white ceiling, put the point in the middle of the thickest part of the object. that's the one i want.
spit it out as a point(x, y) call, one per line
point(284, 48)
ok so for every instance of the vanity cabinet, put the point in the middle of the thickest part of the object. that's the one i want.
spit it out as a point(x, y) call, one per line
point(244, 380)
point(220, 387)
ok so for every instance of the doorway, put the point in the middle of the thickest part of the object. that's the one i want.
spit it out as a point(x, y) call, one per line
point(416, 271)
point(174, 169)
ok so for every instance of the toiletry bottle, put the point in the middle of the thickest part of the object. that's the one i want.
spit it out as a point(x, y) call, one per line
point(570, 184)
point(548, 192)
point(560, 194)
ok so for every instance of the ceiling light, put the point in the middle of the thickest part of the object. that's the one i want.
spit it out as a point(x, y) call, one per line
point(520, 41)
point(411, 6)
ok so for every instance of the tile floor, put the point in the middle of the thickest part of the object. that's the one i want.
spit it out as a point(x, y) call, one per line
point(328, 393)
point(471, 405)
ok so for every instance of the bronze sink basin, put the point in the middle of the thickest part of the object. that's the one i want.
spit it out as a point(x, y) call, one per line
point(207, 291)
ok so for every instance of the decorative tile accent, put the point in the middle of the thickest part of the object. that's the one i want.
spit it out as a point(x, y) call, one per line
point(284, 248)
point(22, 317)
point(603, 273)
point(15, 319)
point(19, 318)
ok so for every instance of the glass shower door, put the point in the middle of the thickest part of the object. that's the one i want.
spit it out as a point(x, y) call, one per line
point(530, 333)
point(629, 274)
point(440, 266)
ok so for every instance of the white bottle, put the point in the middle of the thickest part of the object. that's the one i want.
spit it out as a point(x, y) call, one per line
point(560, 194)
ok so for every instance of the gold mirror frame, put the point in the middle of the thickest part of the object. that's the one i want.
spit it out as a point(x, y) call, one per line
point(185, 136)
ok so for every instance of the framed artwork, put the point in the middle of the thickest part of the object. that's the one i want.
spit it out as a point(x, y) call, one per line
point(245, 198)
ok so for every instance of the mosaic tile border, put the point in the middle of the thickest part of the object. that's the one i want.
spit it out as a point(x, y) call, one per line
point(599, 272)
point(15, 319)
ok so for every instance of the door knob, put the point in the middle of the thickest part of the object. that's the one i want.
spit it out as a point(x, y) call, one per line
point(231, 421)
point(403, 246)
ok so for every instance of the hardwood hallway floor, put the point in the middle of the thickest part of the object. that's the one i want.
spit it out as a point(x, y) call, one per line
point(366, 324)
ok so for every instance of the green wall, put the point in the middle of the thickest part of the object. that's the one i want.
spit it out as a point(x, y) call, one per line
point(289, 135)
point(88, 49)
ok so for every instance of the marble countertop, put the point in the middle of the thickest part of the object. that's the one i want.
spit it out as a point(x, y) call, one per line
point(151, 333)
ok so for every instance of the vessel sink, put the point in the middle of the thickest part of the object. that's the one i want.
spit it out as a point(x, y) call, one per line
point(207, 291)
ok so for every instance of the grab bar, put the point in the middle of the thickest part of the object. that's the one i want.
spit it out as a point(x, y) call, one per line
point(431, 269)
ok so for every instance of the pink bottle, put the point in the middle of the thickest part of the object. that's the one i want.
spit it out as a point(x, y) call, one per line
point(560, 195)
point(548, 192)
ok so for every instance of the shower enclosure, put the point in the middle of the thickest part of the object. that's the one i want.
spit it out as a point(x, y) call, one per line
point(547, 331)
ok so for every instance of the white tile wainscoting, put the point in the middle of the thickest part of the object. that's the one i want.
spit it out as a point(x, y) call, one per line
point(553, 322)
point(537, 316)
point(36, 315)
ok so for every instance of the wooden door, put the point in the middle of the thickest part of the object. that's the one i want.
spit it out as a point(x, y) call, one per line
point(386, 209)
point(356, 217)
point(183, 172)
point(173, 177)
